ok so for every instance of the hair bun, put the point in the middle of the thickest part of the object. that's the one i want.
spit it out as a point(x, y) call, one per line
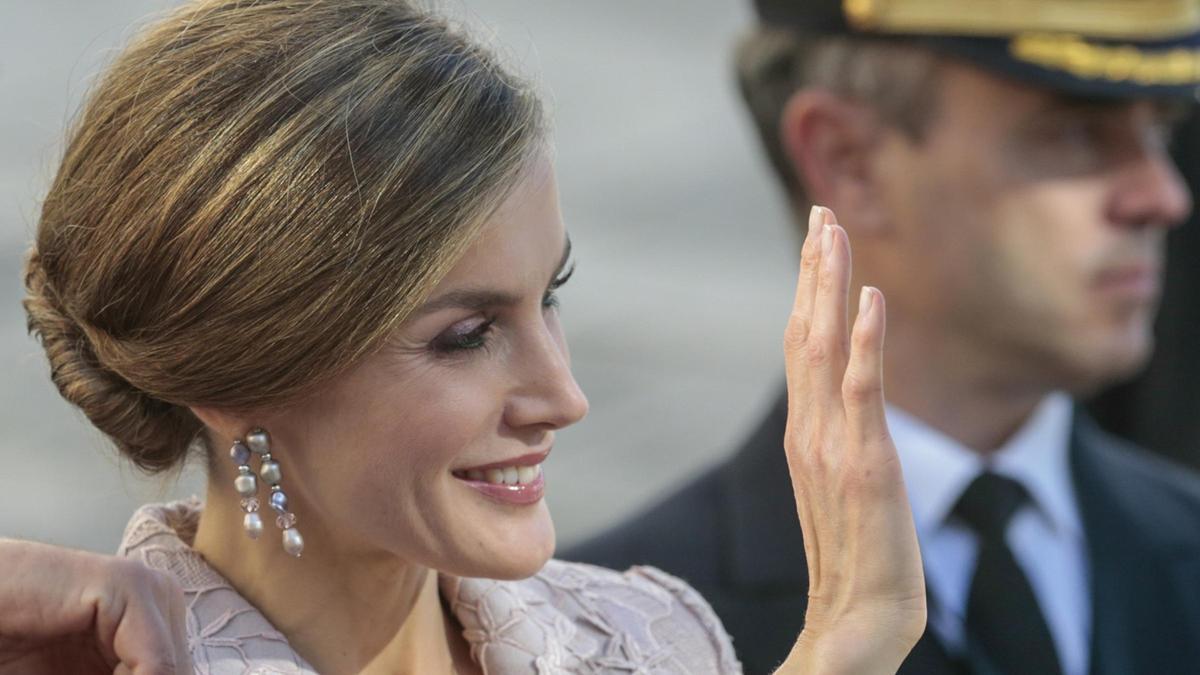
point(154, 434)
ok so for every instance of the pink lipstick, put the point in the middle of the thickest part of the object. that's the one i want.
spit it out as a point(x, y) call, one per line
point(517, 481)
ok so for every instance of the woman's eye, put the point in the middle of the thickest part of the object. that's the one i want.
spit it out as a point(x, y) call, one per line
point(550, 299)
point(462, 339)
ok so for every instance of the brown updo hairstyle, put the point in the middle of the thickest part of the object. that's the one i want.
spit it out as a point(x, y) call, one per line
point(253, 198)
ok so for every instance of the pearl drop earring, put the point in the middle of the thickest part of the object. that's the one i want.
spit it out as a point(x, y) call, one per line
point(247, 486)
point(259, 442)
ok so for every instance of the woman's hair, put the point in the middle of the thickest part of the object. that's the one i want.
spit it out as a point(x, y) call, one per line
point(255, 195)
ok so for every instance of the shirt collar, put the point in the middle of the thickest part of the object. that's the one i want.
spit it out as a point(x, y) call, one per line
point(937, 468)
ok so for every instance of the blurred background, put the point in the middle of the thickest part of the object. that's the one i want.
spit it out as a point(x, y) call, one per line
point(674, 318)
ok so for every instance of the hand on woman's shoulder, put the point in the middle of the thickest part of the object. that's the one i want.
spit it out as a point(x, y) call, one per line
point(63, 611)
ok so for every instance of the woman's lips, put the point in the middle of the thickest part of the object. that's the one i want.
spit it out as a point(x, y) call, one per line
point(513, 481)
point(530, 459)
point(528, 484)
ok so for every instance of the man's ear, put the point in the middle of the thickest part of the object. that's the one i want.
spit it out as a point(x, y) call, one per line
point(831, 142)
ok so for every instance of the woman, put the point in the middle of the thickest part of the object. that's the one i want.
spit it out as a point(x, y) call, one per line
point(317, 243)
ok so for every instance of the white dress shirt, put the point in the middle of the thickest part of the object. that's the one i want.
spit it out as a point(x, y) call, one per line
point(1046, 536)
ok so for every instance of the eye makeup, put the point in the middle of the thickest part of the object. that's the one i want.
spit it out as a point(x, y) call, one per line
point(464, 335)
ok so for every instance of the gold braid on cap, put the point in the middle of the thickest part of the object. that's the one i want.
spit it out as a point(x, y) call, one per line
point(1113, 19)
point(1113, 63)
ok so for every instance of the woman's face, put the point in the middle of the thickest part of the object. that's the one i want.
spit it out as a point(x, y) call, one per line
point(415, 451)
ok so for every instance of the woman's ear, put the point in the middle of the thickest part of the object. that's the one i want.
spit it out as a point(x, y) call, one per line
point(223, 424)
point(831, 142)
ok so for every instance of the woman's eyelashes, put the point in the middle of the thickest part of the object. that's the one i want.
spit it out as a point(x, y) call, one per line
point(463, 336)
point(474, 334)
point(550, 299)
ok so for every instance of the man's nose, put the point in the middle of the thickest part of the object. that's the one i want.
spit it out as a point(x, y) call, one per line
point(1151, 192)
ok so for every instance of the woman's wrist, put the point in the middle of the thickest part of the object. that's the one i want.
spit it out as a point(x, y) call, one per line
point(848, 648)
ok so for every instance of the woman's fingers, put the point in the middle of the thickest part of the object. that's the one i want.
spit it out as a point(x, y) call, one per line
point(816, 344)
point(800, 321)
point(828, 340)
point(795, 361)
point(816, 349)
point(810, 257)
point(862, 387)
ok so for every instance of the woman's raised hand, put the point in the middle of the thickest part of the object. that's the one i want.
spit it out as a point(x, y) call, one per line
point(65, 611)
point(866, 598)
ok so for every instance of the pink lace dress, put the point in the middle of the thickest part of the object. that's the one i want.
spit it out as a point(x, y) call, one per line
point(569, 618)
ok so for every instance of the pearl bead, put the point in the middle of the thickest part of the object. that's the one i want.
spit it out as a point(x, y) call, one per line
point(279, 501)
point(270, 472)
point(253, 524)
point(293, 543)
point(239, 453)
point(259, 441)
point(246, 485)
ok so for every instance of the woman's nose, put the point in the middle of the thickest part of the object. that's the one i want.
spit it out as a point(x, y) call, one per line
point(548, 396)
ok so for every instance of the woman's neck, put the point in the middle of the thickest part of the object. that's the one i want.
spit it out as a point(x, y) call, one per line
point(344, 612)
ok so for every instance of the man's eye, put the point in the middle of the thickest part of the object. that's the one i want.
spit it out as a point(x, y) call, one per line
point(1080, 133)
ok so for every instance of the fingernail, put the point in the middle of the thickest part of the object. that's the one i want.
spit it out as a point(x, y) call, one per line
point(827, 240)
point(815, 219)
point(864, 302)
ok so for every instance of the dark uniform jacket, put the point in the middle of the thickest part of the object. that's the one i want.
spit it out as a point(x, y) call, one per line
point(734, 535)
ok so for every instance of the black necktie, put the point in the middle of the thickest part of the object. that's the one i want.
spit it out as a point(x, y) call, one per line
point(1003, 616)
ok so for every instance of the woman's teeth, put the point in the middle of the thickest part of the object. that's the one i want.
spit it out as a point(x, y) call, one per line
point(513, 475)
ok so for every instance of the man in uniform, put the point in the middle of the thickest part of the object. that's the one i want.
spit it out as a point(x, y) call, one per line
point(1002, 172)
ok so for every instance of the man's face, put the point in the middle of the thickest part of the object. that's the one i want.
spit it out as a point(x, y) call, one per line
point(1033, 225)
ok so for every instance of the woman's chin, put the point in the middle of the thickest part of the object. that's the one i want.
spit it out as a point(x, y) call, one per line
point(519, 569)
point(516, 549)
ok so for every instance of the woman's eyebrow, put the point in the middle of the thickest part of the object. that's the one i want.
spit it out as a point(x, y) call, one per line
point(483, 298)
point(469, 298)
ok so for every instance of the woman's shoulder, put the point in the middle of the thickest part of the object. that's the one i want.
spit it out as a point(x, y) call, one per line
point(225, 632)
point(579, 618)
